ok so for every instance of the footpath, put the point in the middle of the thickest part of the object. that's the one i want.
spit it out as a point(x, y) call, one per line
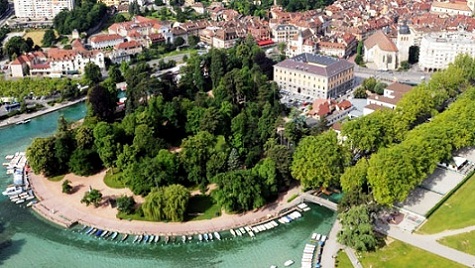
point(48, 109)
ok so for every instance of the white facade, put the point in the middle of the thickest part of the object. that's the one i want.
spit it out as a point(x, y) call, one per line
point(439, 49)
point(41, 9)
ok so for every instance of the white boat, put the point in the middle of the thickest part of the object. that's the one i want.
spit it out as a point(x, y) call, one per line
point(29, 197)
point(31, 203)
point(200, 237)
point(210, 236)
point(238, 232)
point(242, 230)
point(20, 201)
point(183, 238)
point(13, 190)
point(324, 238)
point(14, 199)
point(232, 232)
point(9, 157)
point(251, 234)
point(216, 234)
point(288, 263)
point(318, 237)
point(205, 236)
point(157, 238)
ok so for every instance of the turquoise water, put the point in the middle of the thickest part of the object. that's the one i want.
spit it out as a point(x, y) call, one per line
point(28, 241)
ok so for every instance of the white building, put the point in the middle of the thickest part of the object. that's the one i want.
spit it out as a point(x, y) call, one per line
point(101, 41)
point(439, 49)
point(381, 51)
point(41, 9)
point(389, 100)
point(453, 7)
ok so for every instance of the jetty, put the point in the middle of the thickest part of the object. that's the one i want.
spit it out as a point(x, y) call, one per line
point(319, 200)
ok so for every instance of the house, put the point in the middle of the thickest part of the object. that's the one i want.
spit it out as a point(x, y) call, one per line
point(381, 51)
point(330, 110)
point(302, 42)
point(102, 41)
point(57, 61)
point(391, 96)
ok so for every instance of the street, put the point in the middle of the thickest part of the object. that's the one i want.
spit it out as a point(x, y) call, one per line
point(410, 76)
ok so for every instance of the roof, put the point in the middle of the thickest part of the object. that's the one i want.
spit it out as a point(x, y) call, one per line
point(381, 40)
point(105, 38)
point(462, 6)
point(336, 126)
point(316, 64)
point(129, 44)
point(399, 88)
point(265, 42)
point(376, 107)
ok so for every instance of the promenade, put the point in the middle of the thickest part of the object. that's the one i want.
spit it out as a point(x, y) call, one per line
point(65, 210)
point(49, 109)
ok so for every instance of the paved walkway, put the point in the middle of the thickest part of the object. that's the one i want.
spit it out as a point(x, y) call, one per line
point(443, 234)
point(331, 248)
point(48, 109)
point(318, 200)
point(65, 209)
point(353, 258)
point(429, 243)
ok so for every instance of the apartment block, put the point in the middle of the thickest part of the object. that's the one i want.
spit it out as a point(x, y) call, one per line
point(315, 75)
point(41, 9)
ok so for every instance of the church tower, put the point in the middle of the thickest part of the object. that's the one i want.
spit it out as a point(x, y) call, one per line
point(405, 40)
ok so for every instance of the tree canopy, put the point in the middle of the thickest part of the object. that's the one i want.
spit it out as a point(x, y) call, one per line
point(85, 15)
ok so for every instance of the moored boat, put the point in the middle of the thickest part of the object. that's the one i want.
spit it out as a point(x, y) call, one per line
point(151, 239)
point(183, 239)
point(232, 232)
point(210, 236)
point(167, 239)
point(31, 203)
point(20, 201)
point(157, 238)
point(205, 236)
point(124, 237)
point(13, 190)
point(216, 234)
point(104, 233)
point(288, 263)
point(98, 233)
point(145, 239)
point(114, 236)
point(200, 237)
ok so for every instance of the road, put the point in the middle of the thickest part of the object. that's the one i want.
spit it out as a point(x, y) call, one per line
point(411, 76)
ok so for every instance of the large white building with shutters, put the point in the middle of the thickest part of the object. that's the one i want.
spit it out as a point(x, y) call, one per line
point(41, 9)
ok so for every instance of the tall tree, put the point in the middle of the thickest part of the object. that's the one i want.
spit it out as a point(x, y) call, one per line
point(48, 38)
point(102, 102)
point(92, 73)
point(319, 160)
point(357, 229)
point(41, 156)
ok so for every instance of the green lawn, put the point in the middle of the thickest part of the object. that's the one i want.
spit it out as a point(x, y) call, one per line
point(57, 178)
point(36, 36)
point(292, 198)
point(463, 242)
point(113, 180)
point(398, 254)
point(457, 212)
point(202, 207)
point(342, 260)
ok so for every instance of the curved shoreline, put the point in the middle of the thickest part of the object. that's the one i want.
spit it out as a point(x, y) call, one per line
point(54, 208)
point(25, 116)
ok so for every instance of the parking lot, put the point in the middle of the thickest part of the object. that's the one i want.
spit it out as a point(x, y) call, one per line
point(296, 100)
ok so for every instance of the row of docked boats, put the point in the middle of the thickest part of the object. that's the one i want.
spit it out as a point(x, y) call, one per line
point(19, 195)
point(108, 235)
point(312, 253)
point(289, 218)
point(209, 236)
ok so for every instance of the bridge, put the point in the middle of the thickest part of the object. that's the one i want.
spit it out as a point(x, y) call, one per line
point(320, 201)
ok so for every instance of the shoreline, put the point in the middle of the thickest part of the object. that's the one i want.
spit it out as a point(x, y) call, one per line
point(26, 116)
point(53, 206)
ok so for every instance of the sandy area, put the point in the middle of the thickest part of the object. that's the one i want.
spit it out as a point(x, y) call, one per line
point(66, 209)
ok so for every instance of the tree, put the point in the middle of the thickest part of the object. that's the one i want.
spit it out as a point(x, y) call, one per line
point(134, 8)
point(41, 156)
point(319, 160)
point(84, 162)
point(178, 41)
point(354, 178)
point(92, 73)
point(102, 102)
point(413, 54)
point(16, 46)
point(115, 75)
point(118, 18)
point(49, 38)
point(360, 93)
point(82, 17)
point(93, 196)
point(66, 187)
point(106, 142)
point(126, 204)
point(357, 230)
point(192, 39)
point(166, 203)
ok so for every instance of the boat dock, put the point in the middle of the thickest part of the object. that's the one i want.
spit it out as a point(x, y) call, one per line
point(320, 201)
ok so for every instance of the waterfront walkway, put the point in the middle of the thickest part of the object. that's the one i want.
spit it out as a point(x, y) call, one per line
point(66, 209)
point(320, 201)
point(48, 109)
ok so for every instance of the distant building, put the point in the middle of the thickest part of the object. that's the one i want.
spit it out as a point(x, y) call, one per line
point(381, 51)
point(391, 96)
point(56, 62)
point(315, 75)
point(101, 41)
point(453, 7)
point(41, 9)
point(440, 49)
point(109, 3)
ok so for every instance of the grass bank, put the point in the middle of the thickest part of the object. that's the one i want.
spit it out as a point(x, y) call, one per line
point(342, 260)
point(202, 207)
point(113, 179)
point(463, 242)
point(398, 254)
point(457, 212)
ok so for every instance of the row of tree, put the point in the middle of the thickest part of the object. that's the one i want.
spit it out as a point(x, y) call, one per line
point(85, 15)
point(22, 88)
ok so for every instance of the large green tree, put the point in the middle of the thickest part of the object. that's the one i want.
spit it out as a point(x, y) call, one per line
point(166, 203)
point(41, 156)
point(93, 196)
point(92, 73)
point(357, 229)
point(319, 160)
point(48, 38)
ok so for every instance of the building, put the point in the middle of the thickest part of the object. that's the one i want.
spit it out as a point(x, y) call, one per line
point(283, 33)
point(381, 51)
point(453, 7)
point(405, 40)
point(330, 110)
point(41, 9)
point(109, 3)
point(314, 75)
point(56, 61)
point(391, 96)
point(302, 42)
point(102, 41)
point(439, 49)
